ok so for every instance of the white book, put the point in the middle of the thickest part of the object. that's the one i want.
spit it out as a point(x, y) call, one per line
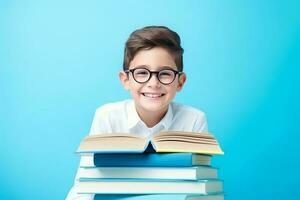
point(119, 186)
point(180, 173)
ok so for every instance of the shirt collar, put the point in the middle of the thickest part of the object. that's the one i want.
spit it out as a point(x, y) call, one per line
point(134, 119)
point(167, 119)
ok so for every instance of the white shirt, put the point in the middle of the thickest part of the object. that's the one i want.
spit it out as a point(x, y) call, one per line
point(121, 117)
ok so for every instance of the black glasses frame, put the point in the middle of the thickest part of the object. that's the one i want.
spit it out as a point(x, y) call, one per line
point(154, 72)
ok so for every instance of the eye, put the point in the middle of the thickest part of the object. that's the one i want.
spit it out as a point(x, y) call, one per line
point(141, 72)
point(166, 73)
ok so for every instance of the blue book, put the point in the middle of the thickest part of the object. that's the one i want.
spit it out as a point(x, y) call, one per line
point(158, 197)
point(145, 160)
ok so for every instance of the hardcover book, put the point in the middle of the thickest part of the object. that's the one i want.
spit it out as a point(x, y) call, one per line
point(125, 186)
point(144, 160)
point(167, 173)
point(158, 197)
point(169, 141)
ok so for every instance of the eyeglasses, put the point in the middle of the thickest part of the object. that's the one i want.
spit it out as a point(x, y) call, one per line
point(164, 76)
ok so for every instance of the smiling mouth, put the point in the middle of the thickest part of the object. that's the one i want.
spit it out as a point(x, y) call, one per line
point(151, 95)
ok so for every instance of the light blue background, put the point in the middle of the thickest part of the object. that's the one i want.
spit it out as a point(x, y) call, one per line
point(59, 61)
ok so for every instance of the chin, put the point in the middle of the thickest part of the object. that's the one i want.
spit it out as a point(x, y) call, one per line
point(153, 107)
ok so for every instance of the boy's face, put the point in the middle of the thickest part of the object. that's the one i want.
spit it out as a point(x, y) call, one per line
point(152, 96)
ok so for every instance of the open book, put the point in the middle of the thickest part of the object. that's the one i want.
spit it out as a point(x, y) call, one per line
point(169, 141)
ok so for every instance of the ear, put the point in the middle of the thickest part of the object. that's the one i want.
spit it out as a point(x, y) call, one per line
point(181, 81)
point(124, 79)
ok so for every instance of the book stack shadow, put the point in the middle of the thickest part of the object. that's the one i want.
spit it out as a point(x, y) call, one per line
point(170, 165)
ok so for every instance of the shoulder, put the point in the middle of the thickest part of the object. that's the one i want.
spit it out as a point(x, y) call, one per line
point(188, 118)
point(112, 108)
point(186, 110)
point(110, 117)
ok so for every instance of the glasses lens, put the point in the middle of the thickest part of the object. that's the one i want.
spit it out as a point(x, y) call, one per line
point(166, 76)
point(141, 75)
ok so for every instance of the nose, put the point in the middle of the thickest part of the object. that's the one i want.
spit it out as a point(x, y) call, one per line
point(153, 81)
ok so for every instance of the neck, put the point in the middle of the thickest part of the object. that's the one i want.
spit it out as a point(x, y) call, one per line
point(151, 118)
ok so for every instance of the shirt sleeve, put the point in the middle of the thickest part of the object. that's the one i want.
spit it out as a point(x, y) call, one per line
point(200, 123)
point(100, 124)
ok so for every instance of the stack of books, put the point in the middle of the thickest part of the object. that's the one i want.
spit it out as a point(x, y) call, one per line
point(170, 165)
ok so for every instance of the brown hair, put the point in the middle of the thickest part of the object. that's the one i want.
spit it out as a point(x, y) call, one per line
point(153, 36)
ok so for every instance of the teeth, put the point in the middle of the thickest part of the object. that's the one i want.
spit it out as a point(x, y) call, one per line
point(152, 95)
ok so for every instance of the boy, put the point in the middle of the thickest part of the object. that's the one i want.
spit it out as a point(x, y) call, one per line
point(153, 73)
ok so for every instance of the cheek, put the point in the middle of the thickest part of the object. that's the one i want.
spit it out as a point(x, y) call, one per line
point(172, 88)
point(134, 87)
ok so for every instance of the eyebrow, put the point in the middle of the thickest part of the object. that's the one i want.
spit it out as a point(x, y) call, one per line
point(159, 68)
